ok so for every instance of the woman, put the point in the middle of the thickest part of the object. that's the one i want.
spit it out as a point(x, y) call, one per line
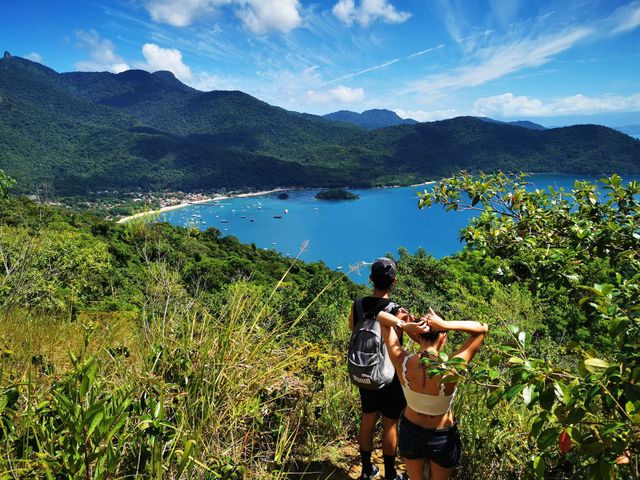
point(427, 430)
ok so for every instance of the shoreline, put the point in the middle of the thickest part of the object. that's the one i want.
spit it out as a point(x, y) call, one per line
point(215, 198)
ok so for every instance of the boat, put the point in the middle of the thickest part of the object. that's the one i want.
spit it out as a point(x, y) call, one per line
point(286, 210)
point(224, 221)
point(277, 216)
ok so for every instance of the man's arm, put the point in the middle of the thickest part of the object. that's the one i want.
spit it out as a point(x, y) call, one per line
point(412, 328)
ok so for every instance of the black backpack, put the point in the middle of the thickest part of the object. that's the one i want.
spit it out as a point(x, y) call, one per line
point(368, 363)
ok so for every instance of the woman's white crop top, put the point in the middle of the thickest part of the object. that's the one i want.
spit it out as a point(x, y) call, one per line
point(424, 402)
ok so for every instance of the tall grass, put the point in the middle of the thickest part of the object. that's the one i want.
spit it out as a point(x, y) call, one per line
point(175, 391)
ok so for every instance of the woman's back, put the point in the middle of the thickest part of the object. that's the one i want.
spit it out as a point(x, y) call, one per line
point(429, 400)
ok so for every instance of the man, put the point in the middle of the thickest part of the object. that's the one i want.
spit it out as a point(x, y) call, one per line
point(388, 401)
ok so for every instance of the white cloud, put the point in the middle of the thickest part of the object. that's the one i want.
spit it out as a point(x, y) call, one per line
point(102, 53)
point(366, 70)
point(258, 16)
point(626, 18)
point(425, 116)
point(509, 105)
point(206, 82)
point(182, 13)
point(158, 58)
point(496, 62)
point(338, 94)
point(368, 12)
point(262, 16)
point(34, 57)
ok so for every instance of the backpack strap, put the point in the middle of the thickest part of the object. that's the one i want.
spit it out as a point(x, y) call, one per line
point(358, 312)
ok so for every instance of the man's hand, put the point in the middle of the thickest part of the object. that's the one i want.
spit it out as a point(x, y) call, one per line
point(411, 327)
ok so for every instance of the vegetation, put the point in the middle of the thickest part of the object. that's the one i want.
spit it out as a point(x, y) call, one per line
point(336, 194)
point(159, 352)
point(145, 349)
point(78, 133)
point(370, 119)
point(562, 274)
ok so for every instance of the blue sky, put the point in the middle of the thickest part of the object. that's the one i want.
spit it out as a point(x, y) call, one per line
point(552, 62)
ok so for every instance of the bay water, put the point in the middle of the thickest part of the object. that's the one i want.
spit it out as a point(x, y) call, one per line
point(342, 233)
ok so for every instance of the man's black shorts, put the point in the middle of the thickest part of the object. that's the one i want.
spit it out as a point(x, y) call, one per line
point(389, 400)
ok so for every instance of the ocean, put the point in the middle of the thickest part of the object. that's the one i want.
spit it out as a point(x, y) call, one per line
point(343, 234)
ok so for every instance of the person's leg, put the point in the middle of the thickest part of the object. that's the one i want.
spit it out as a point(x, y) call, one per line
point(438, 472)
point(367, 429)
point(389, 435)
point(415, 468)
point(389, 445)
point(394, 404)
point(365, 440)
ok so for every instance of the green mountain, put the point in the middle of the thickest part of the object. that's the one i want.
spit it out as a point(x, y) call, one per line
point(370, 119)
point(78, 132)
point(517, 123)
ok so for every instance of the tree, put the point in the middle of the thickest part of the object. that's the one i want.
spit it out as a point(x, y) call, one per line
point(6, 182)
point(587, 409)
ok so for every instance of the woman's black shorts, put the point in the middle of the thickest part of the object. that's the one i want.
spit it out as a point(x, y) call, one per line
point(442, 445)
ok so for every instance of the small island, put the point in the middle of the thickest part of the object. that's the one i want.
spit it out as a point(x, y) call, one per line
point(336, 194)
point(283, 196)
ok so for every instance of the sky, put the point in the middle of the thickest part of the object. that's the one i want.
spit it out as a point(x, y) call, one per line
point(551, 62)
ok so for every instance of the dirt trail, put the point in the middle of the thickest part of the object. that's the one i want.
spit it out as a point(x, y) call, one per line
point(345, 468)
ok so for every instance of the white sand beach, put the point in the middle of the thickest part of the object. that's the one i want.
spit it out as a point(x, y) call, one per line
point(206, 200)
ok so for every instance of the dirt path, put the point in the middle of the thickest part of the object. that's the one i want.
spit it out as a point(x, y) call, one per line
point(347, 467)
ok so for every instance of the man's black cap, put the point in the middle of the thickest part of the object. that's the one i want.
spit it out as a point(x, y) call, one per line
point(383, 272)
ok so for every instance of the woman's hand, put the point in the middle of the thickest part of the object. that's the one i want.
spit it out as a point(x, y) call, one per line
point(434, 321)
point(413, 329)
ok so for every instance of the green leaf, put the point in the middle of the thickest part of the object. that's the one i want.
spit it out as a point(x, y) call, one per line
point(96, 421)
point(595, 364)
point(513, 391)
point(186, 457)
point(547, 397)
point(548, 437)
point(494, 397)
point(524, 338)
point(539, 467)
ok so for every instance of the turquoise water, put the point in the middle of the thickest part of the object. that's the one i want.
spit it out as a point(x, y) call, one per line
point(341, 233)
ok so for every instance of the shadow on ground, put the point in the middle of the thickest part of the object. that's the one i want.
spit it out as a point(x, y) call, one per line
point(345, 467)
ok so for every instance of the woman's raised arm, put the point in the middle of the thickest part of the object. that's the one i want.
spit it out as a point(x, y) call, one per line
point(476, 331)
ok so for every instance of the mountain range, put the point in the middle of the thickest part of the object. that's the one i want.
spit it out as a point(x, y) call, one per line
point(80, 132)
point(381, 118)
point(370, 119)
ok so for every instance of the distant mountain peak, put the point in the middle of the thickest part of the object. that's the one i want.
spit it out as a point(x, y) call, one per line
point(165, 75)
point(371, 119)
point(517, 123)
point(6, 54)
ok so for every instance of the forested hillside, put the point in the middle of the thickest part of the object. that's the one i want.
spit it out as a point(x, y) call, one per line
point(78, 132)
point(146, 349)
